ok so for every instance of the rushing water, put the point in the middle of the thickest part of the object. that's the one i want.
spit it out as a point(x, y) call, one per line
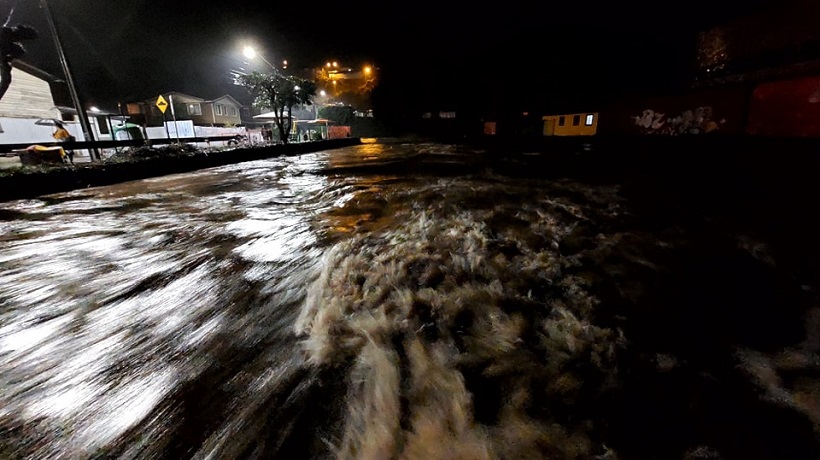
point(393, 301)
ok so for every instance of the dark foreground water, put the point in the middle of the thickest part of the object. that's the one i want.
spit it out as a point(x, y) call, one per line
point(397, 301)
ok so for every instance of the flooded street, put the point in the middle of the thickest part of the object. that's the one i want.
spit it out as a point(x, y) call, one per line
point(414, 301)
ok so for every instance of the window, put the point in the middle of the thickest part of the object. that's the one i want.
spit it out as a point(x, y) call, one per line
point(194, 109)
point(447, 114)
point(219, 109)
point(102, 122)
point(590, 119)
point(576, 120)
point(232, 111)
point(133, 109)
point(562, 121)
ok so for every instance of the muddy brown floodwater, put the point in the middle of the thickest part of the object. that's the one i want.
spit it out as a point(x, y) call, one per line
point(391, 300)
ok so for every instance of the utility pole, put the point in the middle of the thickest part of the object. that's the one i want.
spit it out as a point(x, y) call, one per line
point(88, 133)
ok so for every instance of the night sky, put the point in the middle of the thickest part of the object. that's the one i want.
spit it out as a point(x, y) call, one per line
point(507, 54)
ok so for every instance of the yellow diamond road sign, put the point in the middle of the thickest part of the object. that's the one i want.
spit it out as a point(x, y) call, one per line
point(161, 104)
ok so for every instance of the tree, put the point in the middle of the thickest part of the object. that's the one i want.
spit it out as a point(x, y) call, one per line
point(340, 114)
point(279, 93)
point(11, 49)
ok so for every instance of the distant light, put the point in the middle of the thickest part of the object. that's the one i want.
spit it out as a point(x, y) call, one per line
point(322, 93)
point(297, 88)
point(285, 62)
point(367, 70)
point(328, 64)
point(249, 52)
point(335, 64)
point(94, 109)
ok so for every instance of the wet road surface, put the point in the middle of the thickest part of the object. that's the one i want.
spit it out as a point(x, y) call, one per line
point(394, 301)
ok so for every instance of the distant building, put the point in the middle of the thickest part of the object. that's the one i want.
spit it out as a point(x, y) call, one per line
point(222, 111)
point(573, 124)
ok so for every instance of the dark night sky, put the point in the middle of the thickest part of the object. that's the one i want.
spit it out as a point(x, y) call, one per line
point(508, 53)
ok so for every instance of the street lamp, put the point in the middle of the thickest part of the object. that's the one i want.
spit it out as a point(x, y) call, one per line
point(368, 70)
point(85, 125)
point(251, 53)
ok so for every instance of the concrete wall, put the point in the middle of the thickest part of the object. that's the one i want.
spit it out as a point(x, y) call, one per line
point(22, 130)
point(786, 108)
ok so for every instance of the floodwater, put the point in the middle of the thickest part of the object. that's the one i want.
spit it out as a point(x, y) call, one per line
point(414, 301)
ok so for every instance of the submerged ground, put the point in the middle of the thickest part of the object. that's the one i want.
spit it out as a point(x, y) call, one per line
point(409, 301)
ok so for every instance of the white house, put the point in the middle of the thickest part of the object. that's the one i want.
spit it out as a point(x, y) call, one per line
point(28, 99)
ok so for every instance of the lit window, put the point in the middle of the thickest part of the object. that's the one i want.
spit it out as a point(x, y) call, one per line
point(447, 114)
point(590, 119)
point(427, 115)
point(562, 121)
point(576, 120)
point(194, 109)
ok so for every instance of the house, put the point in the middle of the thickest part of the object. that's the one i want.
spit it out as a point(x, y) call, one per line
point(572, 124)
point(29, 98)
point(222, 111)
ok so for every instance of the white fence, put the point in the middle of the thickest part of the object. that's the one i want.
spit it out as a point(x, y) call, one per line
point(187, 130)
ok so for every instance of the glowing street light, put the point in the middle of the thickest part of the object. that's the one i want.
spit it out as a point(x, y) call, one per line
point(327, 65)
point(251, 53)
point(322, 93)
point(335, 64)
point(368, 70)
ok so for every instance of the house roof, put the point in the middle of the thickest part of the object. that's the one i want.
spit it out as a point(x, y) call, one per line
point(73, 111)
point(186, 95)
point(176, 93)
point(39, 73)
point(227, 96)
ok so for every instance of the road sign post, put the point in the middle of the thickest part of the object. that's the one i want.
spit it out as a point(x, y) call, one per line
point(162, 105)
point(174, 114)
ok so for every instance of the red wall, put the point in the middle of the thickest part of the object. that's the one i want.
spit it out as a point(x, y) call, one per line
point(786, 108)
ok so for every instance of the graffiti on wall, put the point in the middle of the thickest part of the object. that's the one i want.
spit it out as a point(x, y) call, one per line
point(697, 121)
